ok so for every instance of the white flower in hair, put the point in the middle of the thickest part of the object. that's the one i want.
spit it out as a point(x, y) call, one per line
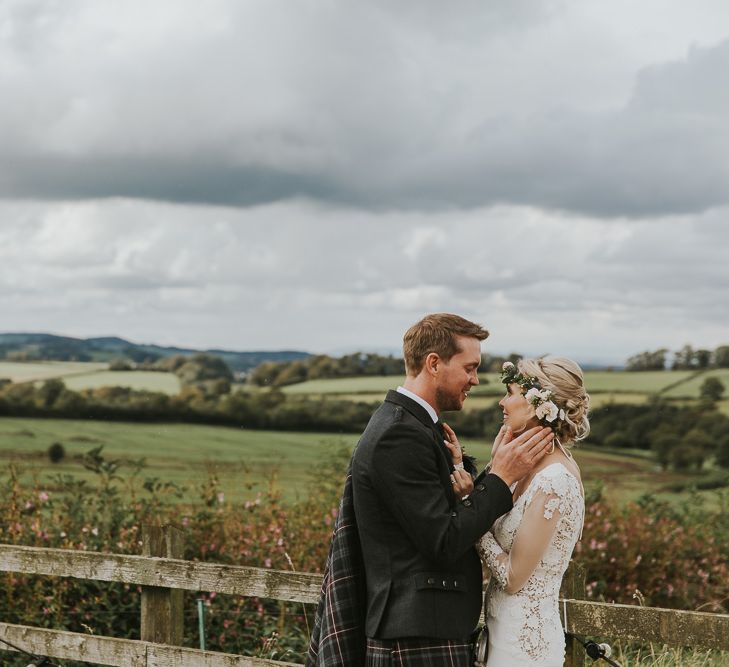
point(545, 394)
point(562, 414)
point(532, 395)
point(548, 411)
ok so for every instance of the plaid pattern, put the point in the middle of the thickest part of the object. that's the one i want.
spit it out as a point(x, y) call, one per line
point(418, 652)
point(338, 639)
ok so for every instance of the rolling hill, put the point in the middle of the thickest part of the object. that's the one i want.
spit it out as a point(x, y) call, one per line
point(42, 346)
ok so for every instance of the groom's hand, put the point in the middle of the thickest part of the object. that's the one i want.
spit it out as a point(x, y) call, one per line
point(514, 459)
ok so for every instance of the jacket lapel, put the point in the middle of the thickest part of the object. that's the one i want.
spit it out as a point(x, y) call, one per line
point(421, 414)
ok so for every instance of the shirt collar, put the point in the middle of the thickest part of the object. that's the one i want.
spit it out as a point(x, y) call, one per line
point(420, 401)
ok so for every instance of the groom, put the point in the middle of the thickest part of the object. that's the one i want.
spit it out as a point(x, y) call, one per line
point(423, 575)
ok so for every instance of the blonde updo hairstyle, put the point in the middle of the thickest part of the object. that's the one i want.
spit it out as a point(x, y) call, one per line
point(564, 378)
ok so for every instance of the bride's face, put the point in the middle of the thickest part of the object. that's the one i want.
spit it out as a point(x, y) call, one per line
point(519, 414)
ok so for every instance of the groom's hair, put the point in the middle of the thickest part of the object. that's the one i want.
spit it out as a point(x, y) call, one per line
point(437, 333)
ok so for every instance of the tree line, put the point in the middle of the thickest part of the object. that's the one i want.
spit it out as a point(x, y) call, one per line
point(687, 358)
point(359, 364)
point(202, 403)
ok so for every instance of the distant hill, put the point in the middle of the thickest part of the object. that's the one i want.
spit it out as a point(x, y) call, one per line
point(37, 346)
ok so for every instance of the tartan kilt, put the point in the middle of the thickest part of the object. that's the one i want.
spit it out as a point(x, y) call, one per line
point(418, 652)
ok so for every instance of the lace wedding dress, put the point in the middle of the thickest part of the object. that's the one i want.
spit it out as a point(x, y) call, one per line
point(528, 551)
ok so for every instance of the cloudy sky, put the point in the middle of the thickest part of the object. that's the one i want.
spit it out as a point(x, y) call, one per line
point(317, 175)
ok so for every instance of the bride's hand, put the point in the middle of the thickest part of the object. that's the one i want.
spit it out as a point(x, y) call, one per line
point(451, 442)
point(502, 437)
point(462, 483)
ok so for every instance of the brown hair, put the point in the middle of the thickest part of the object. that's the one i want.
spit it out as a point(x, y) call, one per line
point(437, 333)
point(564, 378)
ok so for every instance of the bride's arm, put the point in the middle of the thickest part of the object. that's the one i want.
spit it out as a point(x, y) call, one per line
point(533, 537)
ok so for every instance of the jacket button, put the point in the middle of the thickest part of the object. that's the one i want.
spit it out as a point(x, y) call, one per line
point(455, 584)
point(431, 581)
point(467, 502)
point(454, 513)
point(444, 584)
point(480, 487)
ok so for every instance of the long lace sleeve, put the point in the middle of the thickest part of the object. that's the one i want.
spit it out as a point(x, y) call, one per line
point(513, 569)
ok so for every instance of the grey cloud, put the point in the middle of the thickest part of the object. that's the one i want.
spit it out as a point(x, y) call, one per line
point(324, 278)
point(379, 106)
point(203, 181)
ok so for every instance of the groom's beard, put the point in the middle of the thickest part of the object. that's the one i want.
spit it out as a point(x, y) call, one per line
point(446, 401)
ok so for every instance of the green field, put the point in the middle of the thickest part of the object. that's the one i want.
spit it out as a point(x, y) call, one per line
point(245, 460)
point(597, 382)
point(690, 388)
point(79, 375)
point(33, 371)
point(167, 383)
point(185, 454)
point(604, 386)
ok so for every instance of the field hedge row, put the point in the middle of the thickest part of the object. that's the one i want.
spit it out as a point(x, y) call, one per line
point(682, 436)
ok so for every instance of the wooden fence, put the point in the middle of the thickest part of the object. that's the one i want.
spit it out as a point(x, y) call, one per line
point(163, 576)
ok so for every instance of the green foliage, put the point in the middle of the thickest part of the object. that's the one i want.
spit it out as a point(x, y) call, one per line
point(49, 392)
point(670, 556)
point(722, 450)
point(721, 356)
point(120, 365)
point(712, 389)
point(56, 452)
point(280, 374)
point(687, 357)
point(647, 361)
point(206, 402)
point(682, 436)
point(262, 531)
point(674, 557)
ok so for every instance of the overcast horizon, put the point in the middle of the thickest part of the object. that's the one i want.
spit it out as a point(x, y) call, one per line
point(263, 175)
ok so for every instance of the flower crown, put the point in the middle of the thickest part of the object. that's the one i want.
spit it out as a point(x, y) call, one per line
point(546, 410)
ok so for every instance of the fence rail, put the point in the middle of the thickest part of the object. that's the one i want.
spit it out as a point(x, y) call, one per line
point(162, 572)
point(162, 577)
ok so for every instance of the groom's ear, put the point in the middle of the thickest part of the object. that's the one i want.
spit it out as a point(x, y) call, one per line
point(432, 364)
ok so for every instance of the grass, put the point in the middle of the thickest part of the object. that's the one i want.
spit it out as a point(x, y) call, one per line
point(645, 382)
point(32, 371)
point(79, 375)
point(244, 460)
point(691, 388)
point(597, 382)
point(632, 655)
point(167, 383)
point(185, 454)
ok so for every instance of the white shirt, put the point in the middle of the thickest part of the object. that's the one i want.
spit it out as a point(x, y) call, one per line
point(420, 401)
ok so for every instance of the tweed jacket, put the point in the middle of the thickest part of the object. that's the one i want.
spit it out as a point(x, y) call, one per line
point(422, 571)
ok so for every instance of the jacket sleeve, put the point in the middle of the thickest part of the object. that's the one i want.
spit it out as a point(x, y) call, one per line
point(407, 479)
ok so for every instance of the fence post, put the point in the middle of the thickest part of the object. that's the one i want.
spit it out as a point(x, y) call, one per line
point(162, 620)
point(573, 588)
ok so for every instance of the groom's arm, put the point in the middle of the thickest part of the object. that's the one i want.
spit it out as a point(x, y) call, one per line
point(407, 480)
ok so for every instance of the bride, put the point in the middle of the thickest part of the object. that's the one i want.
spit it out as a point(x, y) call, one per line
point(528, 549)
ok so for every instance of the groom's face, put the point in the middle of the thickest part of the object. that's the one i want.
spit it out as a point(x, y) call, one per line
point(457, 375)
